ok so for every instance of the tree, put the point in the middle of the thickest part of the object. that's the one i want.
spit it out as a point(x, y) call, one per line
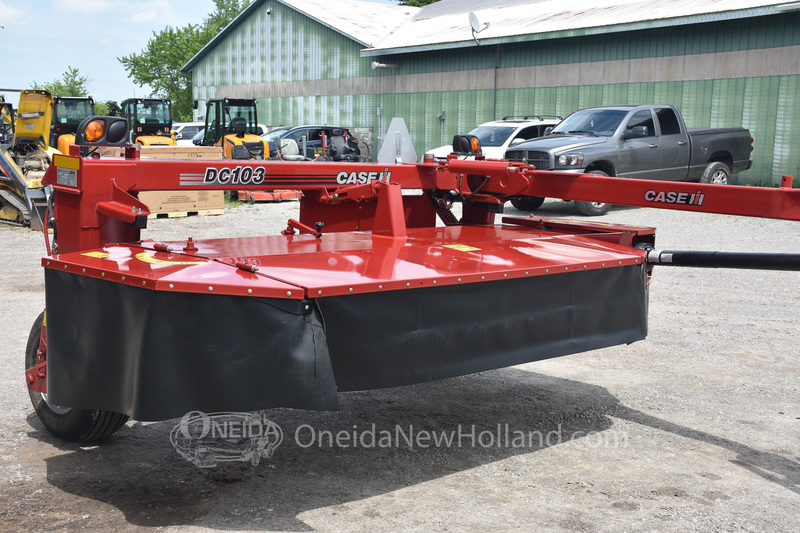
point(416, 3)
point(159, 66)
point(114, 109)
point(70, 84)
point(159, 63)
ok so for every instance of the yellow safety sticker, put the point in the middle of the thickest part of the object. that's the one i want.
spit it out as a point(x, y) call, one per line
point(145, 257)
point(462, 247)
point(66, 162)
point(99, 255)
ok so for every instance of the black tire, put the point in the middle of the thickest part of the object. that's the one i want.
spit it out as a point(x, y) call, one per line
point(531, 203)
point(716, 173)
point(79, 425)
point(593, 209)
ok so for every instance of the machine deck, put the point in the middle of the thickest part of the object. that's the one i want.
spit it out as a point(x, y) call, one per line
point(303, 266)
point(345, 311)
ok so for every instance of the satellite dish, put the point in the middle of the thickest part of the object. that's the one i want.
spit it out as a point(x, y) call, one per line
point(476, 25)
point(473, 21)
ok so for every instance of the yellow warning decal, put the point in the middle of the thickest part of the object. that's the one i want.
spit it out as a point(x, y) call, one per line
point(462, 247)
point(98, 255)
point(66, 162)
point(145, 257)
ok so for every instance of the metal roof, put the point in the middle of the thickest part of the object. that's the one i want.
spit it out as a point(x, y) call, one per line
point(364, 22)
point(445, 24)
point(392, 29)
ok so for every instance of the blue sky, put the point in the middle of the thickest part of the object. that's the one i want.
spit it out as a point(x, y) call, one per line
point(41, 38)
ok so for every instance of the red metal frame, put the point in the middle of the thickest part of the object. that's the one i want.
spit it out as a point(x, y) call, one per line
point(373, 236)
point(363, 228)
point(36, 376)
point(95, 199)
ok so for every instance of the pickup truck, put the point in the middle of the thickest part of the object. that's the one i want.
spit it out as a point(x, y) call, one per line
point(634, 141)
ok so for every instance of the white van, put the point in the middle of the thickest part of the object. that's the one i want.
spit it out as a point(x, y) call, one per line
point(184, 131)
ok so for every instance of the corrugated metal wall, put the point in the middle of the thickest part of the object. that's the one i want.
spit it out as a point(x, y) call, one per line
point(729, 73)
point(286, 46)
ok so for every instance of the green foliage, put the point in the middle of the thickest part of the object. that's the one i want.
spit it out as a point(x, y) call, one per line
point(114, 109)
point(70, 84)
point(416, 3)
point(158, 64)
point(225, 13)
point(100, 108)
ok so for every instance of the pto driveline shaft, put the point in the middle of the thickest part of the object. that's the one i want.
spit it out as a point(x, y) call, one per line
point(753, 261)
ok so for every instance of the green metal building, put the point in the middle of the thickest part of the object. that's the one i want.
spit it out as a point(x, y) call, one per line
point(358, 64)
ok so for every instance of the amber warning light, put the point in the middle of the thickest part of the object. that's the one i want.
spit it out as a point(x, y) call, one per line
point(94, 130)
point(466, 145)
point(103, 131)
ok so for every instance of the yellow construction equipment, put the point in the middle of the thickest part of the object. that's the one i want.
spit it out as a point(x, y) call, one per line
point(24, 158)
point(68, 113)
point(232, 123)
point(150, 121)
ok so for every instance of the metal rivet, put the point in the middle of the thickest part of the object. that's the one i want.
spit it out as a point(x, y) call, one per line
point(171, 286)
point(585, 267)
point(547, 271)
point(144, 283)
point(526, 272)
point(505, 275)
point(408, 285)
point(83, 271)
point(483, 278)
point(288, 293)
point(123, 278)
point(620, 262)
point(459, 280)
point(434, 282)
point(307, 308)
point(102, 274)
point(48, 263)
point(65, 267)
point(380, 287)
point(319, 293)
point(602, 264)
point(566, 268)
point(210, 288)
point(351, 289)
point(249, 291)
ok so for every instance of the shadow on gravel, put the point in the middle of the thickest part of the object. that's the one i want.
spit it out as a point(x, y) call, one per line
point(772, 467)
point(500, 414)
point(560, 208)
point(139, 472)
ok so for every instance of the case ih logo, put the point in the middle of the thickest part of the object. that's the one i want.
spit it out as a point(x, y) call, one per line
point(672, 197)
point(356, 178)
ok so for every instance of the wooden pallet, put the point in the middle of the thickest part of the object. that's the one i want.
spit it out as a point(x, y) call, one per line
point(183, 214)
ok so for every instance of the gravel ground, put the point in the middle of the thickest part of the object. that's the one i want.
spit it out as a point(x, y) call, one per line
point(695, 428)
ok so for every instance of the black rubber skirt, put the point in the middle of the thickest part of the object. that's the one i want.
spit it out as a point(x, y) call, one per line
point(157, 355)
